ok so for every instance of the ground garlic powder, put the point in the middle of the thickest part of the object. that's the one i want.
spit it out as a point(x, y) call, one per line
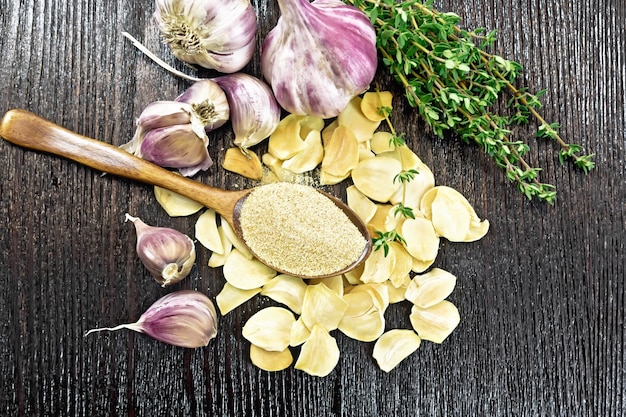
point(296, 229)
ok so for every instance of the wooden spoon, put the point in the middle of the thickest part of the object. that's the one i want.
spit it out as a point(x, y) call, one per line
point(26, 129)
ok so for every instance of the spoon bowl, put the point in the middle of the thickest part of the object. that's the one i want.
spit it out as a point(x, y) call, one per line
point(28, 130)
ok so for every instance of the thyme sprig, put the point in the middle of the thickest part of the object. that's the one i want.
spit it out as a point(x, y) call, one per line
point(382, 239)
point(452, 80)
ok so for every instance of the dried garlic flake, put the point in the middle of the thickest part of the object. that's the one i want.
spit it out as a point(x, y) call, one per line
point(174, 204)
point(270, 328)
point(319, 354)
point(435, 323)
point(394, 346)
point(270, 361)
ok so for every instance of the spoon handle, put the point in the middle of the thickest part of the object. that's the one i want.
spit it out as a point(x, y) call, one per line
point(28, 130)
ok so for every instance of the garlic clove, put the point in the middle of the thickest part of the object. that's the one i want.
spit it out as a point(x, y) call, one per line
point(168, 254)
point(176, 146)
point(231, 297)
point(353, 118)
point(341, 153)
point(254, 112)
point(322, 307)
point(373, 102)
point(287, 290)
point(246, 164)
point(436, 322)
point(270, 361)
point(374, 177)
point(270, 328)
point(430, 288)
point(208, 102)
point(203, 33)
point(286, 141)
point(319, 354)
point(174, 204)
point(183, 318)
point(319, 56)
point(394, 346)
point(308, 158)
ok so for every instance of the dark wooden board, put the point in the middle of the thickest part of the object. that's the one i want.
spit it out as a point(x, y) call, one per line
point(541, 296)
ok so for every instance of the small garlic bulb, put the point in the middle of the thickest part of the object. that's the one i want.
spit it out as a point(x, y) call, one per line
point(254, 112)
point(319, 56)
point(171, 134)
point(217, 35)
point(183, 318)
point(168, 254)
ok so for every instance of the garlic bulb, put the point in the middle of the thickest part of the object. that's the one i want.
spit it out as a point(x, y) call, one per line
point(254, 112)
point(182, 318)
point(319, 56)
point(168, 254)
point(218, 35)
point(209, 103)
point(171, 134)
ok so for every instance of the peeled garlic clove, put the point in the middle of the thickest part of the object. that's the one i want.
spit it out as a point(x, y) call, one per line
point(421, 240)
point(183, 318)
point(275, 165)
point(319, 354)
point(341, 153)
point(373, 102)
point(203, 33)
point(270, 361)
point(380, 142)
point(244, 273)
point(168, 254)
point(363, 320)
point(286, 290)
point(270, 328)
point(322, 307)
point(207, 231)
point(338, 44)
point(374, 177)
point(254, 112)
point(246, 164)
point(453, 216)
point(414, 190)
point(394, 346)
point(403, 264)
point(176, 146)
point(287, 140)
point(299, 333)
point(231, 297)
point(219, 259)
point(174, 204)
point(362, 206)
point(353, 119)
point(378, 267)
point(209, 103)
point(436, 322)
point(308, 158)
point(431, 288)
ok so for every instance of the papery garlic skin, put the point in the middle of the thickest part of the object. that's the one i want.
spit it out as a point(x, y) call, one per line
point(183, 318)
point(254, 112)
point(319, 56)
point(177, 146)
point(209, 103)
point(218, 35)
point(168, 254)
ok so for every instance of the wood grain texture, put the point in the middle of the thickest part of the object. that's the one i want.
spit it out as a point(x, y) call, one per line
point(541, 297)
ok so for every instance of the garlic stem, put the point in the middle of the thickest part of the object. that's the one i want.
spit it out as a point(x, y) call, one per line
point(131, 326)
point(158, 60)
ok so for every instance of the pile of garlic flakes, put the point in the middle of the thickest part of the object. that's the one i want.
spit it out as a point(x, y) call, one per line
point(351, 146)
